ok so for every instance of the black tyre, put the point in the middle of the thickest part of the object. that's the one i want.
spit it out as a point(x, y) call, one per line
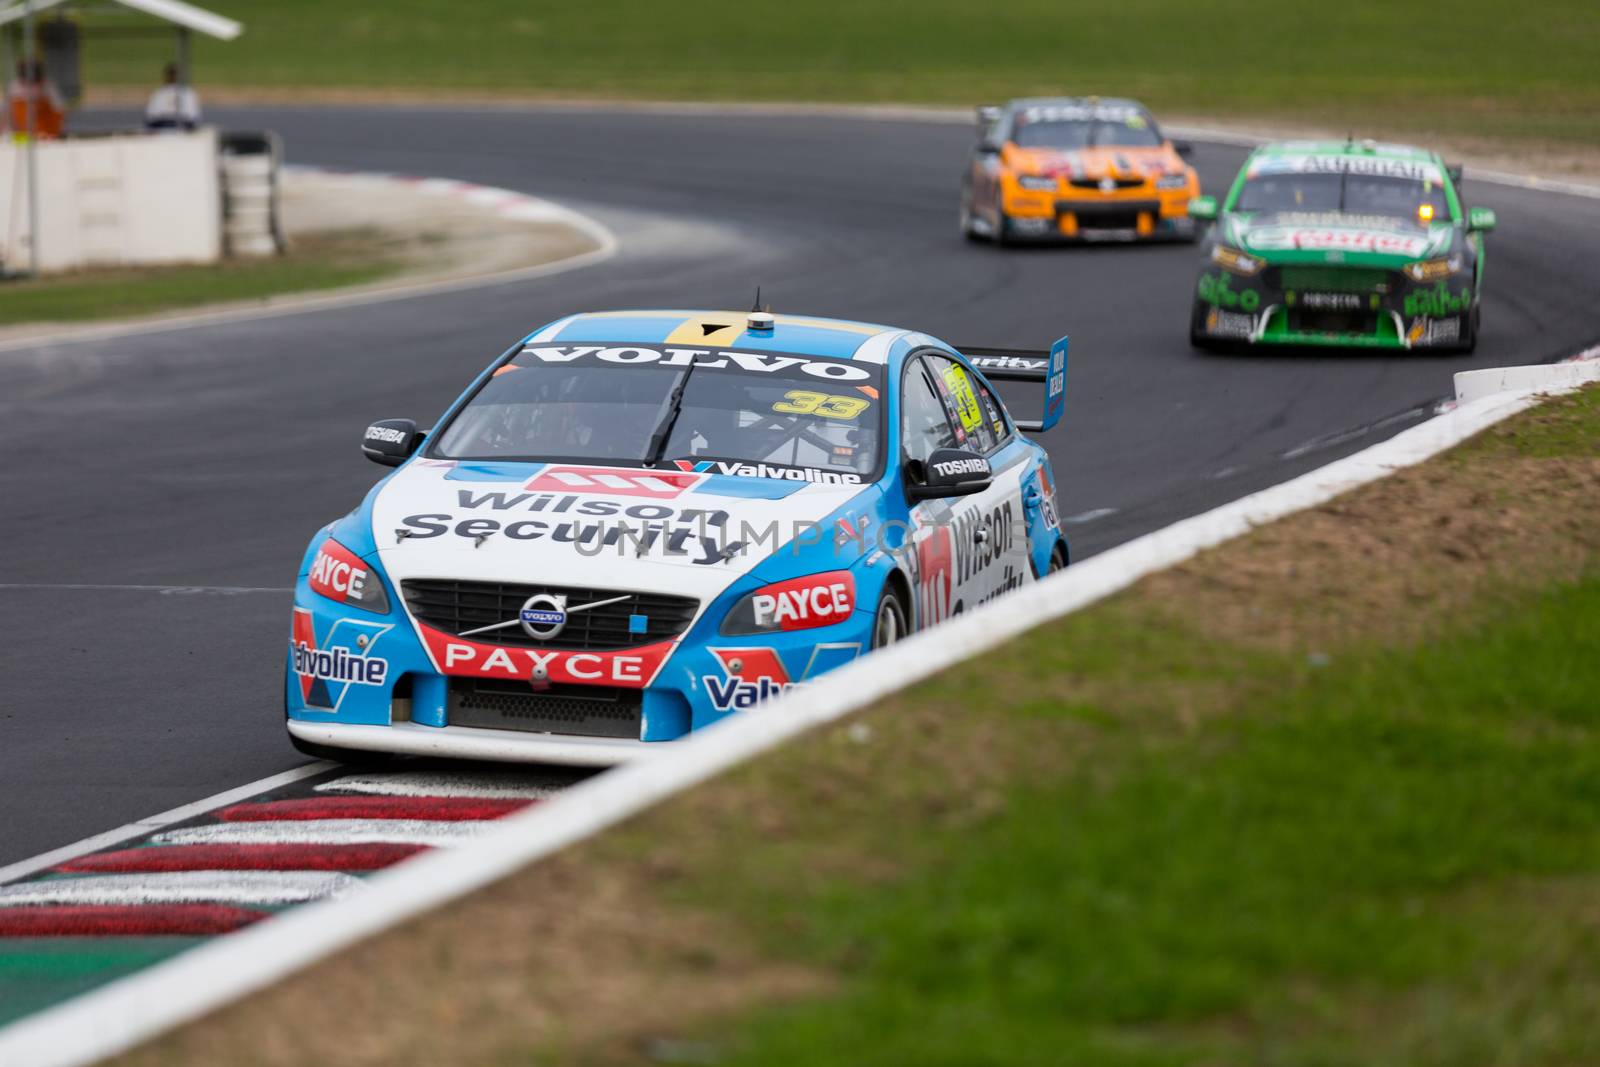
point(1058, 558)
point(1002, 237)
point(966, 213)
point(353, 756)
point(891, 622)
point(966, 223)
point(1469, 343)
point(1198, 338)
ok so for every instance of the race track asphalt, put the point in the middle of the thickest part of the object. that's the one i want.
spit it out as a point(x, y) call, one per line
point(158, 489)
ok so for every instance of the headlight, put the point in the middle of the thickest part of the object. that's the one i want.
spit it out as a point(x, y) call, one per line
point(1431, 270)
point(1035, 183)
point(798, 604)
point(1235, 260)
point(1173, 181)
point(340, 575)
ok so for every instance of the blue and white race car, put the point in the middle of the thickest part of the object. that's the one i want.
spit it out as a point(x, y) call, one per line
point(635, 523)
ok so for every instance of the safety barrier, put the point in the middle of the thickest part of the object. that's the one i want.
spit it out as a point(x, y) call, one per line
point(120, 200)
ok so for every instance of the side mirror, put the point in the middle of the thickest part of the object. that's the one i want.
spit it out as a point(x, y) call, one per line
point(951, 472)
point(988, 115)
point(1184, 149)
point(391, 441)
point(1480, 219)
point(1203, 208)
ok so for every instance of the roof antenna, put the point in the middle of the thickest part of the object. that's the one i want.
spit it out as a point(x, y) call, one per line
point(760, 321)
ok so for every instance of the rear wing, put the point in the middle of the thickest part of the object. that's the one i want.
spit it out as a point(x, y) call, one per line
point(1027, 365)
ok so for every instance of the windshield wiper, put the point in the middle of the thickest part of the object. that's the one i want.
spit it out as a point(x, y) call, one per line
point(1344, 176)
point(658, 440)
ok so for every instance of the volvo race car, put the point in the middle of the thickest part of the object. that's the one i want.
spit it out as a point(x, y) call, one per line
point(1075, 168)
point(633, 524)
point(1344, 243)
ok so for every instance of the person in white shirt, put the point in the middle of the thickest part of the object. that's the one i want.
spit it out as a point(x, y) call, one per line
point(174, 106)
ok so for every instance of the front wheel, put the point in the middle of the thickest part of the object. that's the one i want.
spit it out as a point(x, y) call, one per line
point(354, 756)
point(890, 622)
point(967, 230)
point(1002, 236)
point(1470, 342)
point(1198, 338)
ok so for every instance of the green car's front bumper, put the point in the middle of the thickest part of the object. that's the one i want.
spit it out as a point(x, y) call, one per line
point(1366, 309)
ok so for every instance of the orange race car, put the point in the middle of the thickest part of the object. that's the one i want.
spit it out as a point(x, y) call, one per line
point(1076, 168)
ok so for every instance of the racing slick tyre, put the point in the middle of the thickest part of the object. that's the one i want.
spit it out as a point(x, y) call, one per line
point(1470, 342)
point(966, 217)
point(889, 622)
point(1002, 236)
point(1058, 558)
point(355, 756)
point(966, 225)
point(1197, 334)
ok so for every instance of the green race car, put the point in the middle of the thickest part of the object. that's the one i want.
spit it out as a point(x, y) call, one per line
point(1342, 243)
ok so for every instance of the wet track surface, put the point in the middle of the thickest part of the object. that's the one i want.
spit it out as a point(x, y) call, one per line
point(160, 488)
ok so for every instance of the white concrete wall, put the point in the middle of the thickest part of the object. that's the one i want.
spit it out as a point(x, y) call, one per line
point(125, 200)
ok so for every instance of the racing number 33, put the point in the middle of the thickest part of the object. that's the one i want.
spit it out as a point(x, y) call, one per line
point(823, 405)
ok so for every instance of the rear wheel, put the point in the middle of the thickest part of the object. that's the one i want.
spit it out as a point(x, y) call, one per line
point(890, 622)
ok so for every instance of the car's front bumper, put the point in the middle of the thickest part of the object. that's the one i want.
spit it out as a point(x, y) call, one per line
point(1140, 213)
point(365, 681)
point(1399, 316)
point(466, 742)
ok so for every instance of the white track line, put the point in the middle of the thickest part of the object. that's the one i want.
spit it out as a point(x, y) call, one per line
point(123, 1013)
point(482, 785)
point(23, 868)
point(327, 832)
point(182, 887)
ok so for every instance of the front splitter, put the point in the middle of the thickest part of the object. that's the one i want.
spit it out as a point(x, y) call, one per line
point(467, 742)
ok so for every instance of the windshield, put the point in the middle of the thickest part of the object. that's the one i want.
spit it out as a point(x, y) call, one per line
point(1070, 128)
point(1351, 186)
point(605, 403)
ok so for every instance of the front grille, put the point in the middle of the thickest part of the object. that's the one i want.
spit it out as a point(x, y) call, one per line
point(1330, 279)
point(457, 606)
point(1094, 183)
point(1114, 215)
point(585, 710)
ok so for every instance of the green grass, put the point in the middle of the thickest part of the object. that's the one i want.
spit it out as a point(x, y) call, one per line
point(1473, 67)
point(1356, 842)
point(322, 262)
